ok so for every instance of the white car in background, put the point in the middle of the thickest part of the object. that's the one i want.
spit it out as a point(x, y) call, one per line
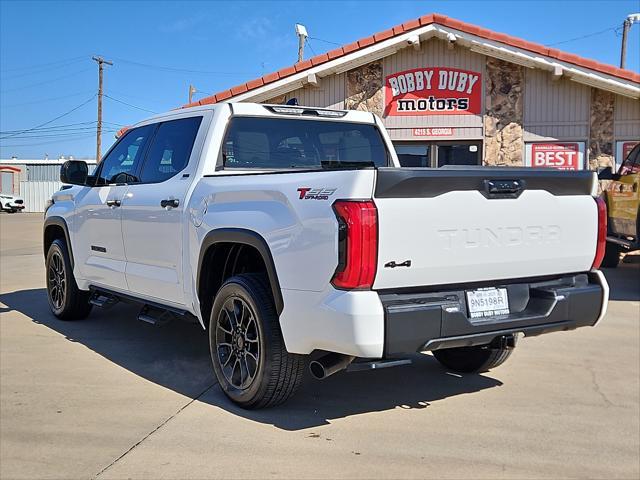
point(11, 203)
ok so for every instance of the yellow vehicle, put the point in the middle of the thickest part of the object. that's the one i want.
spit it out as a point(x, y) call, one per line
point(622, 196)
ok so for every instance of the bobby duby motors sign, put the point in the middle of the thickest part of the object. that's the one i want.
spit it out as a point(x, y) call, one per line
point(433, 91)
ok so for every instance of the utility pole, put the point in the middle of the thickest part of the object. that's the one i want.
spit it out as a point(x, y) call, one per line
point(192, 90)
point(101, 62)
point(301, 31)
point(626, 25)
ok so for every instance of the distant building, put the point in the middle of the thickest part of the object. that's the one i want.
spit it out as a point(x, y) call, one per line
point(33, 180)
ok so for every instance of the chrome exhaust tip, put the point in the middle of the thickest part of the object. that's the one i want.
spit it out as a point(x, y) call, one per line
point(329, 364)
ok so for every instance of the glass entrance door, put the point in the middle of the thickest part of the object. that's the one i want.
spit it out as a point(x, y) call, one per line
point(459, 153)
point(439, 154)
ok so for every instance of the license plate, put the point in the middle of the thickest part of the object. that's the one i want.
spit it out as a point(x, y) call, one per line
point(487, 302)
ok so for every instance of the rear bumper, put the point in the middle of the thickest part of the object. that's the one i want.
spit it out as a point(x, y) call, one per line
point(438, 319)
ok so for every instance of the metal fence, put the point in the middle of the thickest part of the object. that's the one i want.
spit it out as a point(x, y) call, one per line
point(37, 194)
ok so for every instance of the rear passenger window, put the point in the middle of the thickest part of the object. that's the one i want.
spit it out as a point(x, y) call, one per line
point(273, 143)
point(170, 149)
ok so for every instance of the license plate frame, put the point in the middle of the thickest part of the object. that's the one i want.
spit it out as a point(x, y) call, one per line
point(487, 302)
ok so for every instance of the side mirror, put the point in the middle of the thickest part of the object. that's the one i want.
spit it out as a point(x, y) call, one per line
point(74, 172)
point(605, 174)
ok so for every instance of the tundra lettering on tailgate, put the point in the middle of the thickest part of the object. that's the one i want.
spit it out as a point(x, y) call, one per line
point(500, 236)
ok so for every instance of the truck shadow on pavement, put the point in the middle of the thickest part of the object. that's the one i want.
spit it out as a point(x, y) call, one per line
point(176, 356)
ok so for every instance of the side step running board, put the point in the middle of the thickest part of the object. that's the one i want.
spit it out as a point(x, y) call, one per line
point(103, 300)
point(155, 316)
point(152, 313)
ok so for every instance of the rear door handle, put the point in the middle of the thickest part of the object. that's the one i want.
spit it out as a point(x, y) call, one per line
point(170, 203)
point(113, 203)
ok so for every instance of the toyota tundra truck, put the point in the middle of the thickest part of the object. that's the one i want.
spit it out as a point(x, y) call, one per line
point(293, 237)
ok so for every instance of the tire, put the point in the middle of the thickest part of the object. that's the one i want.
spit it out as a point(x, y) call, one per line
point(244, 330)
point(611, 257)
point(66, 300)
point(476, 359)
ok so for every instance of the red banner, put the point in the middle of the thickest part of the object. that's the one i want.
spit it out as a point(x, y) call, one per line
point(433, 91)
point(564, 156)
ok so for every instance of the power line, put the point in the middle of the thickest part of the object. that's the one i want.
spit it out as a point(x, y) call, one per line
point(53, 127)
point(325, 41)
point(137, 97)
point(182, 70)
point(43, 64)
point(13, 105)
point(588, 35)
point(47, 69)
point(53, 120)
point(45, 143)
point(47, 81)
point(69, 135)
point(128, 104)
point(310, 47)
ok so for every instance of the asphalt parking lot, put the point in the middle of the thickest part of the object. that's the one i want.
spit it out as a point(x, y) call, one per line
point(110, 397)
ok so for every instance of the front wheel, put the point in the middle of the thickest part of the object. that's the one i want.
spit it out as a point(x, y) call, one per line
point(475, 359)
point(66, 300)
point(248, 353)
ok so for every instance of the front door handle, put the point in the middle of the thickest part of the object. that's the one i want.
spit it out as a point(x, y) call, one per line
point(170, 203)
point(113, 203)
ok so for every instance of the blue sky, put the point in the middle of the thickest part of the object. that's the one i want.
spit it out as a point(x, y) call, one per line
point(160, 47)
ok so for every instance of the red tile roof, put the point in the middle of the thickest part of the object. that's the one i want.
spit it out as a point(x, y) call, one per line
point(412, 25)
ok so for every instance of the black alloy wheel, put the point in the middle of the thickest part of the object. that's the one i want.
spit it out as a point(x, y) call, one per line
point(250, 360)
point(56, 281)
point(66, 300)
point(238, 343)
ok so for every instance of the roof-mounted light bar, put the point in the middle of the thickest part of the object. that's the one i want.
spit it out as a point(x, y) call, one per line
point(287, 110)
point(314, 112)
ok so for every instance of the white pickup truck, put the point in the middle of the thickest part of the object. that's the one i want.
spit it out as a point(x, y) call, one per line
point(292, 236)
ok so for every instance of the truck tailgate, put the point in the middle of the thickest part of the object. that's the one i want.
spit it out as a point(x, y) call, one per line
point(451, 226)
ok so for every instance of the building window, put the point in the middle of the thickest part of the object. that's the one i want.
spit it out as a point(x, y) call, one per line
point(439, 153)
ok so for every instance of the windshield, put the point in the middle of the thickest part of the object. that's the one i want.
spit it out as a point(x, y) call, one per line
point(268, 143)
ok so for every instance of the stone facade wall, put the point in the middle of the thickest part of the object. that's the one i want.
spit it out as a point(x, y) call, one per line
point(503, 131)
point(364, 89)
point(601, 129)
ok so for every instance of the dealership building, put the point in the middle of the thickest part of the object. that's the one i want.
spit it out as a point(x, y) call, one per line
point(452, 93)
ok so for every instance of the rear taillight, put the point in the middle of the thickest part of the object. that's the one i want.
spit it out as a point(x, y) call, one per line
point(357, 244)
point(602, 233)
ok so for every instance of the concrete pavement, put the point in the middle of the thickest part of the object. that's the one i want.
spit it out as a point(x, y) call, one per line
point(110, 397)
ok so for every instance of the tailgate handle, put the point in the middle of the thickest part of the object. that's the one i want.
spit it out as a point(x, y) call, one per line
point(503, 188)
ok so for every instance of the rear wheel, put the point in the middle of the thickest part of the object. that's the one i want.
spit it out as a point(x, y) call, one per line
point(66, 300)
point(249, 358)
point(611, 257)
point(473, 359)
